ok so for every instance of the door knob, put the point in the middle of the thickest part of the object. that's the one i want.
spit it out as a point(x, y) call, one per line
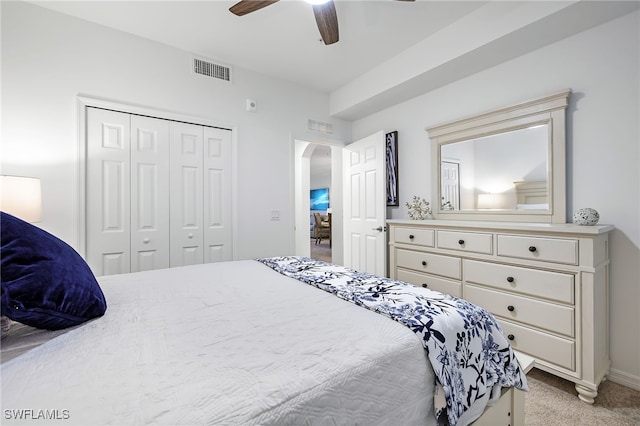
point(380, 228)
point(145, 240)
point(190, 235)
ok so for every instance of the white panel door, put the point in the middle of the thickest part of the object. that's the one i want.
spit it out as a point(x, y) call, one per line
point(450, 177)
point(186, 192)
point(365, 205)
point(108, 191)
point(218, 235)
point(149, 193)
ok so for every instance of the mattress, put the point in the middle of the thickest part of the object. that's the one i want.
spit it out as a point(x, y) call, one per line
point(223, 343)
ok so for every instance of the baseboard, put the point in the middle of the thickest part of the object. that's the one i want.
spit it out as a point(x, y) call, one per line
point(624, 379)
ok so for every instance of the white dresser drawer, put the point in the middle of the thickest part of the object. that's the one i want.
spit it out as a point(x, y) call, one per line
point(548, 316)
point(475, 242)
point(420, 237)
point(542, 346)
point(454, 288)
point(534, 282)
point(557, 250)
point(445, 266)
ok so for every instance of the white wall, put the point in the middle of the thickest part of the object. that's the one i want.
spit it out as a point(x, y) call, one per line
point(601, 66)
point(48, 59)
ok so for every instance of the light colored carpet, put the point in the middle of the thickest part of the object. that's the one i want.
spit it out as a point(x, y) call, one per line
point(554, 401)
point(321, 251)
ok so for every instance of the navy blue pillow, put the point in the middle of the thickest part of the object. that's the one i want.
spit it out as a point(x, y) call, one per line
point(45, 283)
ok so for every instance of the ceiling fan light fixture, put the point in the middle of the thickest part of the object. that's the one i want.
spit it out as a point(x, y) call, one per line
point(323, 10)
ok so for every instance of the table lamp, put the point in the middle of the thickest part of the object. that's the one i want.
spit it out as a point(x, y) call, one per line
point(21, 197)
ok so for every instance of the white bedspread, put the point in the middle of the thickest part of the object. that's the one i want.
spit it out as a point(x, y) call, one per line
point(225, 343)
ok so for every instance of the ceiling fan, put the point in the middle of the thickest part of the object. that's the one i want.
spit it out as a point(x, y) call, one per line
point(324, 11)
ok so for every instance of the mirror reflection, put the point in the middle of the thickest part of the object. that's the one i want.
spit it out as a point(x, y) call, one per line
point(500, 172)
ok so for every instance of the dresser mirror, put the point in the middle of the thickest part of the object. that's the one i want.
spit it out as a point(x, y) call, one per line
point(503, 165)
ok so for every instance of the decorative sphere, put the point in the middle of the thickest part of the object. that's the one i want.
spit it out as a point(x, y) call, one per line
point(586, 216)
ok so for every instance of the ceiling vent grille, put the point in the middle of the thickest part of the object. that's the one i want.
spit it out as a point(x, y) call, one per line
point(210, 69)
point(319, 126)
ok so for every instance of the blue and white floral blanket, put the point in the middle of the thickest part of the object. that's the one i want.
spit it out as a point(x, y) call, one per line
point(464, 343)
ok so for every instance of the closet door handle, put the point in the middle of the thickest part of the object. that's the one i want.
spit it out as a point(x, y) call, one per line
point(190, 235)
point(145, 240)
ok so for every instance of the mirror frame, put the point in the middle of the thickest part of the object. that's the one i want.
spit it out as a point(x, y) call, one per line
point(548, 110)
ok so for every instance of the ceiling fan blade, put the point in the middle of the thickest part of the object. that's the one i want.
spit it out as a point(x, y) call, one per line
point(327, 21)
point(247, 6)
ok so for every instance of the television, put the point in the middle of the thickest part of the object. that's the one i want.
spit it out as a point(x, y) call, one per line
point(320, 199)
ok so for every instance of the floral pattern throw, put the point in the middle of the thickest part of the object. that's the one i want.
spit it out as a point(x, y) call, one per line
point(464, 343)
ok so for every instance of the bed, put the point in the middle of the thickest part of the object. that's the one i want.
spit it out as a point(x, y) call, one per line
point(532, 195)
point(268, 341)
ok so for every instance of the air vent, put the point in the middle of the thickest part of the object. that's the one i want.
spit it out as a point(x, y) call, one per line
point(319, 126)
point(210, 69)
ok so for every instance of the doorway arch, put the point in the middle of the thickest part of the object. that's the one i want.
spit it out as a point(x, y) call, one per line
point(303, 152)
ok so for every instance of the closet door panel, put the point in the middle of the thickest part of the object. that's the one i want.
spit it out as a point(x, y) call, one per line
point(217, 195)
point(186, 192)
point(108, 193)
point(158, 193)
point(149, 197)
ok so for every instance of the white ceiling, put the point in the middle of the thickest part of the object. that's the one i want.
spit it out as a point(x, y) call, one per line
point(389, 51)
point(281, 40)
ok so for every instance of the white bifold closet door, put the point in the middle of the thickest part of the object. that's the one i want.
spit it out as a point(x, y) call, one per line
point(158, 193)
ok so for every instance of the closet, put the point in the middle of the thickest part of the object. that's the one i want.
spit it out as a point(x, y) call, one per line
point(158, 193)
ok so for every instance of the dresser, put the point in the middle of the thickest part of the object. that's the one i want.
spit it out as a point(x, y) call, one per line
point(547, 284)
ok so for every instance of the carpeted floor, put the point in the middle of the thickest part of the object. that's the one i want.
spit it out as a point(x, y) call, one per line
point(554, 401)
point(321, 251)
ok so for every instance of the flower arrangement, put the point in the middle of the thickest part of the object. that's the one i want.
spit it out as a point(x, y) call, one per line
point(446, 205)
point(418, 209)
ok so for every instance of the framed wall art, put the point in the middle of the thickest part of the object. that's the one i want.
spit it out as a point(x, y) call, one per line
point(392, 168)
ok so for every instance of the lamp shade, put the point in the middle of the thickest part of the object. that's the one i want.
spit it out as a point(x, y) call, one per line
point(21, 197)
point(490, 201)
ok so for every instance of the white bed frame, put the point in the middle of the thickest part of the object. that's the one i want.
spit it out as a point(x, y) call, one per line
point(532, 192)
point(509, 409)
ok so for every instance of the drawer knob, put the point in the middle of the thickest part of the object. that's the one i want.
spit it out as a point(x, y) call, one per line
point(425, 285)
point(511, 337)
point(532, 249)
point(424, 263)
point(411, 237)
point(510, 279)
point(461, 242)
point(511, 308)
